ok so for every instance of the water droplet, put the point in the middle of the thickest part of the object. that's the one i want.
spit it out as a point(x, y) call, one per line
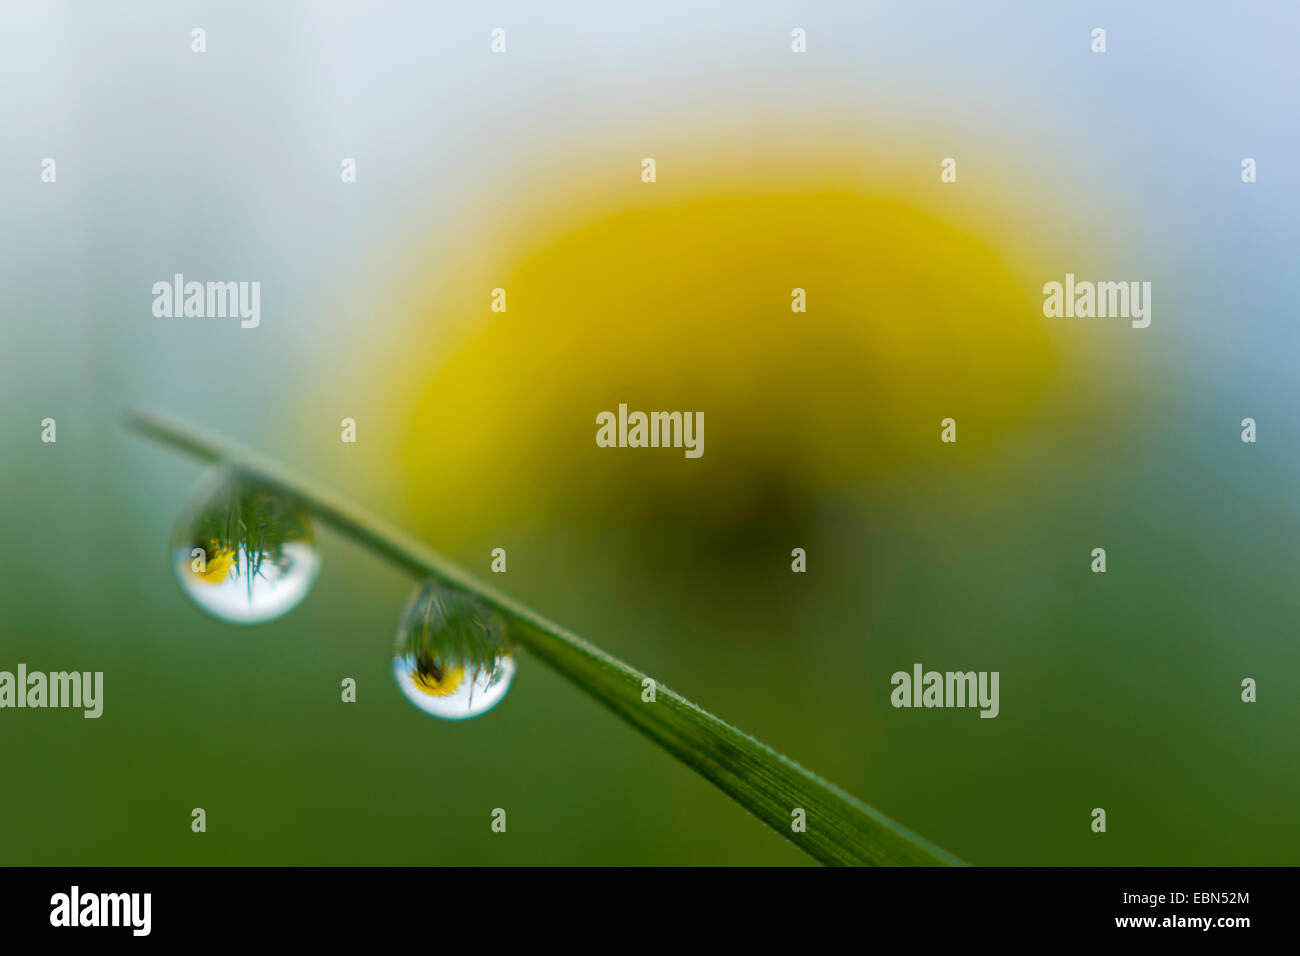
point(243, 552)
point(452, 659)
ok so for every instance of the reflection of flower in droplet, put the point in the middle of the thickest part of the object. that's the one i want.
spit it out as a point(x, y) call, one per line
point(451, 658)
point(242, 551)
point(221, 562)
point(432, 678)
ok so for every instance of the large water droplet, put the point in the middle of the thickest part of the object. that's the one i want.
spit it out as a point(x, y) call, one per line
point(243, 552)
point(452, 658)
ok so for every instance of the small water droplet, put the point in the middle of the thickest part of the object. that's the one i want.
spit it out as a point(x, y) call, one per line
point(243, 552)
point(451, 659)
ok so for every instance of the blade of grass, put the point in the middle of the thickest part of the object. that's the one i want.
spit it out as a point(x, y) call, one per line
point(840, 828)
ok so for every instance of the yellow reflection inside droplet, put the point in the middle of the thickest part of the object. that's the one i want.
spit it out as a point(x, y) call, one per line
point(437, 681)
point(220, 563)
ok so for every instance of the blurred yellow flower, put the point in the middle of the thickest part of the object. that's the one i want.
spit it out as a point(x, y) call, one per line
point(690, 304)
